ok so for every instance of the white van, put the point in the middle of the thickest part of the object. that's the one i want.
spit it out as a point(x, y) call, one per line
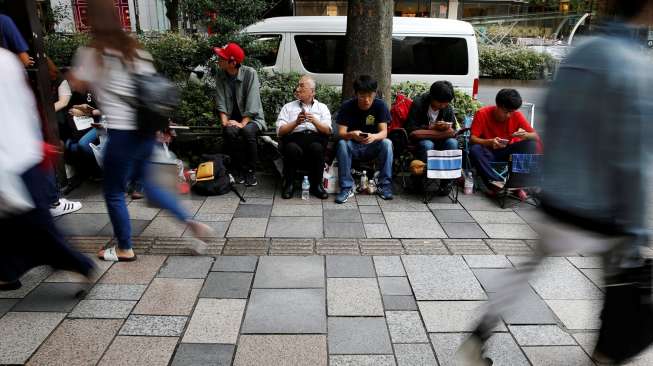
point(423, 49)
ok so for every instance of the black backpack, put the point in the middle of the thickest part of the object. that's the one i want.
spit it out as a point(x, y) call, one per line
point(220, 182)
point(156, 100)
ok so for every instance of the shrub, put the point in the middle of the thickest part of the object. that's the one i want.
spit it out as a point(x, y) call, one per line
point(197, 105)
point(61, 48)
point(514, 62)
point(175, 55)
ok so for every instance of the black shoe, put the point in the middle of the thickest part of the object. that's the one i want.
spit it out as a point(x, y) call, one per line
point(288, 190)
point(250, 178)
point(319, 192)
point(11, 286)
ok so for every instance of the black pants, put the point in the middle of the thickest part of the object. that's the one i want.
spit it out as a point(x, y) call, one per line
point(304, 150)
point(241, 145)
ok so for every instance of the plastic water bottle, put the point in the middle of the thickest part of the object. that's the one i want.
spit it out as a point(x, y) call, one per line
point(364, 182)
point(469, 183)
point(305, 187)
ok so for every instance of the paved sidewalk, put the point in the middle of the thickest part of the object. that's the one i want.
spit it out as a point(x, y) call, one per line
point(294, 310)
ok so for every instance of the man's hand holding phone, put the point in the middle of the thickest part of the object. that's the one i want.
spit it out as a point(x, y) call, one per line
point(520, 133)
point(499, 143)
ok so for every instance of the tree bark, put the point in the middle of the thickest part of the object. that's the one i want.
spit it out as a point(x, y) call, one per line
point(368, 44)
point(172, 13)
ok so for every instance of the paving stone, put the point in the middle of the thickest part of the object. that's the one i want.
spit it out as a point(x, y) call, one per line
point(304, 210)
point(181, 246)
point(6, 305)
point(596, 276)
point(154, 326)
point(451, 316)
point(235, 264)
point(337, 247)
point(487, 261)
point(442, 278)
point(142, 211)
point(413, 225)
point(529, 308)
point(292, 247)
point(586, 262)
point(82, 224)
point(403, 204)
point(557, 279)
point(399, 303)
point(414, 355)
point(587, 341)
point(77, 342)
point(493, 279)
point(560, 355)
point(147, 351)
point(227, 285)
point(406, 327)
point(389, 266)
point(190, 206)
point(463, 230)
point(137, 227)
point(541, 335)
point(366, 200)
point(489, 217)
point(281, 350)
point(358, 336)
point(290, 272)
point(395, 286)
point(424, 247)
point(206, 217)
point(344, 230)
point(102, 309)
point(23, 333)
point(370, 210)
point(467, 246)
point(247, 228)
point(295, 227)
point(445, 206)
point(255, 211)
point(509, 231)
point(88, 244)
point(246, 247)
point(214, 205)
point(346, 215)
point(377, 231)
point(501, 348)
point(219, 229)
point(55, 297)
point(331, 205)
point(349, 266)
point(290, 311)
point(258, 201)
point(452, 216)
point(354, 297)
point(157, 299)
point(30, 280)
point(140, 272)
point(165, 227)
point(510, 247)
point(479, 203)
point(116, 292)
point(203, 354)
point(362, 360)
point(380, 247)
point(577, 314)
point(532, 216)
point(92, 207)
point(186, 267)
point(215, 321)
point(73, 277)
point(373, 218)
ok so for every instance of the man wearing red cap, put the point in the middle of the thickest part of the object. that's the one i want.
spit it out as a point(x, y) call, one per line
point(240, 109)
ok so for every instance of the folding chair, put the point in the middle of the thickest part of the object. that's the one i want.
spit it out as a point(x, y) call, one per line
point(523, 173)
point(446, 164)
point(528, 110)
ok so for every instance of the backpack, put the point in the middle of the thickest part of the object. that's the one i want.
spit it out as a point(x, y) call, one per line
point(156, 99)
point(212, 178)
point(399, 111)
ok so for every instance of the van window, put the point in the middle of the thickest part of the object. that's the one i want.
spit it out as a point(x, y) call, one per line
point(429, 55)
point(322, 54)
point(267, 48)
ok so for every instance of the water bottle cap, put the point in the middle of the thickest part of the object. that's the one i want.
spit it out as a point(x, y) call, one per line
point(364, 172)
point(306, 177)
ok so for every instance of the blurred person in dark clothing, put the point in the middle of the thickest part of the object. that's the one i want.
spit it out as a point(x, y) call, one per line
point(595, 178)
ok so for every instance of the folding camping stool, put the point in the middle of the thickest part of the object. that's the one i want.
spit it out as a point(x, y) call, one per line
point(446, 164)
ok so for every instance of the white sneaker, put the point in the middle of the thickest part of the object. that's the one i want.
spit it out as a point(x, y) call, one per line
point(65, 207)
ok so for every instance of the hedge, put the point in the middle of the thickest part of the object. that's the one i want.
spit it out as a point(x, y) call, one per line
point(514, 62)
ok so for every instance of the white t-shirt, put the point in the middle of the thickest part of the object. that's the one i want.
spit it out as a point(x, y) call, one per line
point(111, 81)
point(64, 89)
point(433, 115)
point(290, 111)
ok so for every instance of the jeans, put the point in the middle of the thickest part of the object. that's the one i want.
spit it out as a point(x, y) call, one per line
point(241, 145)
point(52, 188)
point(426, 145)
point(127, 156)
point(481, 156)
point(349, 150)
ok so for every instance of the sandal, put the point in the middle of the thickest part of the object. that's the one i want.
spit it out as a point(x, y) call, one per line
point(110, 255)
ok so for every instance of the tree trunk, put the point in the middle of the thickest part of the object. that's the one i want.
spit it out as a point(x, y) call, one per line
point(172, 13)
point(369, 44)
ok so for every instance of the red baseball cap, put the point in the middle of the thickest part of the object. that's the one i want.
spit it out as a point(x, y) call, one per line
point(230, 52)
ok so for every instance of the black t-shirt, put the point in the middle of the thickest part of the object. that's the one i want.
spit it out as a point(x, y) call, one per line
point(355, 119)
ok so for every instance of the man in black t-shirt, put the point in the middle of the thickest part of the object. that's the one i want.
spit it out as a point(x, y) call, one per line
point(363, 128)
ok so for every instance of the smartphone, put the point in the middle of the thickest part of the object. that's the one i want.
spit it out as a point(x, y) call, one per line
point(504, 141)
point(363, 135)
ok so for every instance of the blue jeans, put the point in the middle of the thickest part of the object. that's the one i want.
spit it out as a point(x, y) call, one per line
point(482, 157)
point(426, 145)
point(127, 156)
point(349, 150)
point(52, 188)
point(83, 144)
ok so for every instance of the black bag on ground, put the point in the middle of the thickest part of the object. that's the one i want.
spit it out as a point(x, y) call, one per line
point(212, 178)
point(627, 316)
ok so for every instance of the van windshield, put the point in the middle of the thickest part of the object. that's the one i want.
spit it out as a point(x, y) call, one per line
point(322, 54)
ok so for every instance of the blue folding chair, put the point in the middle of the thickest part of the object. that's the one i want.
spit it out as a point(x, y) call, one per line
point(524, 172)
point(445, 164)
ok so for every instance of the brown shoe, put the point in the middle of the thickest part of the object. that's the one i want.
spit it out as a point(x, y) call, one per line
point(137, 195)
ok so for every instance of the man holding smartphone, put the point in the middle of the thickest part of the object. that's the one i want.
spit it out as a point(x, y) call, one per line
point(499, 131)
point(432, 124)
point(363, 129)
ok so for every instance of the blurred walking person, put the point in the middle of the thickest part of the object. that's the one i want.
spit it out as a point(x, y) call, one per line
point(107, 67)
point(26, 224)
point(598, 134)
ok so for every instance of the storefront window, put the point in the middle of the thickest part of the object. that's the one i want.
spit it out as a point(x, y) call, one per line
point(413, 8)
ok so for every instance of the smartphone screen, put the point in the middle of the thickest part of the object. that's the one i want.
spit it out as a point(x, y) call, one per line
point(363, 135)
